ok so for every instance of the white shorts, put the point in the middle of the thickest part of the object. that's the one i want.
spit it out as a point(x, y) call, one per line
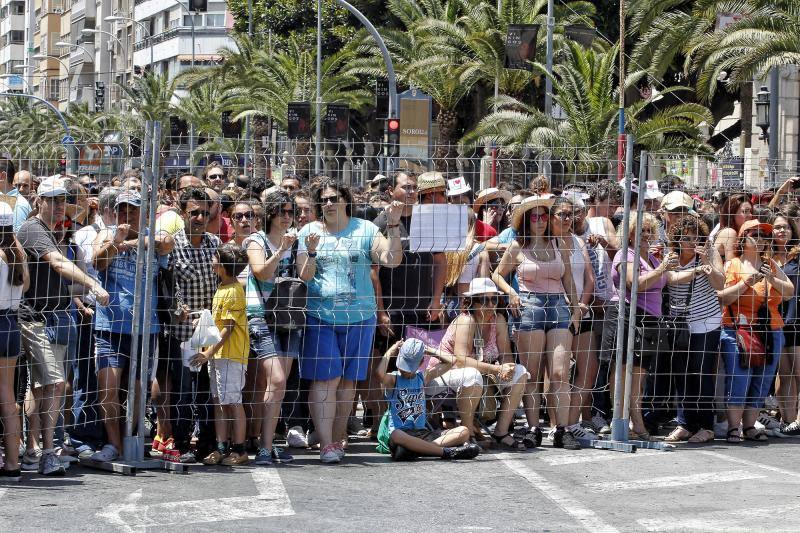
point(227, 380)
point(458, 378)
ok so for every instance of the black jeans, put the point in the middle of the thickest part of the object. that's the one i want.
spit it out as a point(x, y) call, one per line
point(189, 399)
point(695, 380)
point(87, 420)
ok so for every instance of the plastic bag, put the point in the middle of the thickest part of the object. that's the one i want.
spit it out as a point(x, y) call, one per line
point(206, 332)
point(187, 352)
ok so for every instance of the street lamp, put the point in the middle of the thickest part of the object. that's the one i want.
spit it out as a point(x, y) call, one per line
point(44, 57)
point(76, 45)
point(762, 112)
point(116, 18)
point(90, 31)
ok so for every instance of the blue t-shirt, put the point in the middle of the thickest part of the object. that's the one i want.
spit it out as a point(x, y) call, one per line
point(407, 403)
point(119, 280)
point(21, 208)
point(341, 291)
point(256, 292)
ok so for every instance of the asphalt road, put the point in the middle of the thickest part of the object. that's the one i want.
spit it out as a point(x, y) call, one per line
point(721, 487)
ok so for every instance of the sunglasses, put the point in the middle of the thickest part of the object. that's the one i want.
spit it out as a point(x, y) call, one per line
point(538, 217)
point(194, 213)
point(216, 176)
point(324, 200)
point(241, 216)
point(688, 238)
point(496, 203)
point(287, 212)
point(564, 215)
point(487, 300)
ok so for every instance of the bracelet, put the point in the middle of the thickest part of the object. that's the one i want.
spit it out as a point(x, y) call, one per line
point(311, 254)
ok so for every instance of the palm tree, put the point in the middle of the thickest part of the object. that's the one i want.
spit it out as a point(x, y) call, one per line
point(584, 86)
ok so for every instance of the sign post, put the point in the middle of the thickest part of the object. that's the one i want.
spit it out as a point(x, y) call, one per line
point(415, 126)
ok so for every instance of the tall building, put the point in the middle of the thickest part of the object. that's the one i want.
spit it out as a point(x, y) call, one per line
point(12, 44)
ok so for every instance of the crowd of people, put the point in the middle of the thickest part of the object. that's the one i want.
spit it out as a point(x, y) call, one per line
point(321, 310)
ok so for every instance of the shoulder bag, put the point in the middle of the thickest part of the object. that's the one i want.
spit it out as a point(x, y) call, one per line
point(285, 307)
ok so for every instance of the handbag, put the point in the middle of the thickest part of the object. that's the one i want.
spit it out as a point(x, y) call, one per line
point(285, 307)
point(679, 327)
point(750, 338)
point(652, 336)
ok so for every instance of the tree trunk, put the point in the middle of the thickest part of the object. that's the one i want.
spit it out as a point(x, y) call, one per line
point(260, 131)
point(444, 154)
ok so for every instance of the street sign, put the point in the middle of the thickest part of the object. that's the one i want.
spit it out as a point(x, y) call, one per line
point(415, 125)
point(68, 139)
point(298, 117)
point(382, 98)
point(580, 33)
point(521, 46)
point(336, 123)
point(732, 172)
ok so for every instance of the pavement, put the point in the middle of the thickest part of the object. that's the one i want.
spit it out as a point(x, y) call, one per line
point(718, 487)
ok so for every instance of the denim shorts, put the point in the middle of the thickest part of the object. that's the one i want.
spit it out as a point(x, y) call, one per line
point(333, 351)
point(113, 350)
point(266, 342)
point(543, 312)
point(10, 343)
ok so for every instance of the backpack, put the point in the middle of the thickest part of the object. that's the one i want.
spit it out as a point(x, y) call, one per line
point(285, 307)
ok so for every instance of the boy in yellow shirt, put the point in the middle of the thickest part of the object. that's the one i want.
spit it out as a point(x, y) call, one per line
point(228, 358)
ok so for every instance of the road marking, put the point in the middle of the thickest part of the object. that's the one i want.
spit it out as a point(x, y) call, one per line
point(739, 520)
point(673, 481)
point(2, 493)
point(752, 464)
point(272, 500)
point(585, 516)
point(581, 458)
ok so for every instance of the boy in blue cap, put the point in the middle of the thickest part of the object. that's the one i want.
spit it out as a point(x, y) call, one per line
point(408, 435)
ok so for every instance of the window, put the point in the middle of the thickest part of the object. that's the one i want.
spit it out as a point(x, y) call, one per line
point(17, 8)
point(216, 21)
point(3, 12)
point(198, 21)
point(17, 36)
point(63, 92)
point(54, 84)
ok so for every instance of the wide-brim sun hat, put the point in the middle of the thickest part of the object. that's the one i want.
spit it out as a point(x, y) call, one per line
point(754, 224)
point(531, 202)
point(487, 195)
point(482, 286)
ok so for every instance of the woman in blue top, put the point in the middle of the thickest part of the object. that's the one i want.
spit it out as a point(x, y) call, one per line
point(336, 264)
point(115, 260)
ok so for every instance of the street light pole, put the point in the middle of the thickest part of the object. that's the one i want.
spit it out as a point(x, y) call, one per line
point(76, 45)
point(548, 83)
point(247, 119)
point(117, 18)
point(185, 7)
point(121, 46)
point(317, 161)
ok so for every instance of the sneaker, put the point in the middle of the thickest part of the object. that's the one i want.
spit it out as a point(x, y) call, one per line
point(171, 456)
point(84, 451)
point(568, 441)
point(465, 451)
point(791, 430)
point(185, 458)
point(353, 425)
point(340, 449)
point(330, 454)
point(583, 430)
point(50, 465)
point(214, 458)
point(562, 438)
point(767, 421)
point(30, 460)
point(263, 457)
point(10, 475)
point(106, 454)
point(312, 439)
point(282, 456)
point(598, 423)
point(296, 438)
point(236, 459)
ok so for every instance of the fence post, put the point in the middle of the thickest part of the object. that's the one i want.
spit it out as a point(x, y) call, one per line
point(133, 446)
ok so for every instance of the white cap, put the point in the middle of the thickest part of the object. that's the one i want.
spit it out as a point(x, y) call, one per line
point(576, 197)
point(457, 186)
point(652, 192)
point(479, 286)
point(6, 215)
point(52, 186)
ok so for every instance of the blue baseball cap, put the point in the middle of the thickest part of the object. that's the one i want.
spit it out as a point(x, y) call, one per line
point(410, 357)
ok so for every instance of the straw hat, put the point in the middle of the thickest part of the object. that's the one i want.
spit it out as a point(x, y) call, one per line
point(531, 202)
point(430, 181)
point(487, 195)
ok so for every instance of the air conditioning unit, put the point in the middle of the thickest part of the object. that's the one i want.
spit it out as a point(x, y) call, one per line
point(57, 10)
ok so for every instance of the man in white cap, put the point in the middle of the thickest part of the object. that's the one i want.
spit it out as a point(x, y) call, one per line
point(45, 304)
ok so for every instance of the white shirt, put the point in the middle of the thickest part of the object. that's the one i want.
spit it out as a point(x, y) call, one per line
point(10, 295)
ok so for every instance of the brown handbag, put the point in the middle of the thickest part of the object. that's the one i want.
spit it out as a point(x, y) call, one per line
point(750, 337)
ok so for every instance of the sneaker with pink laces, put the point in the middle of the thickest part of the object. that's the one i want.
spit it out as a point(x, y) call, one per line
point(330, 454)
point(340, 450)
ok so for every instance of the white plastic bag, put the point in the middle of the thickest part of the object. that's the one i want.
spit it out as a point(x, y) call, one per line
point(187, 352)
point(206, 332)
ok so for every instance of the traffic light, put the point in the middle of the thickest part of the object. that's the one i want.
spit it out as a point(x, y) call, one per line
point(198, 6)
point(393, 137)
point(99, 96)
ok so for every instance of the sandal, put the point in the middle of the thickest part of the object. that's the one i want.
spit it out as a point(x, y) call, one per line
point(679, 434)
point(532, 438)
point(643, 436)
point(758, 436)
point(701, 437)
point(501, 442)
point(734, 437)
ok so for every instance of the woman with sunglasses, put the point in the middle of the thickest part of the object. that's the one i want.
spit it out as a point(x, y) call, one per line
point(479, 340)
point(786, 252)
point(693, 295)
point(271, 253)
point(547, 306)
point(754, 287)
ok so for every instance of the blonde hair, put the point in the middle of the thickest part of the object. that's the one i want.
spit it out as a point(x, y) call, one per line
point(649, 222)
point(456, 261)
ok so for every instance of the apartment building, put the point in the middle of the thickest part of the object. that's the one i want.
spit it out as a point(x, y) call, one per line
point(12, 45)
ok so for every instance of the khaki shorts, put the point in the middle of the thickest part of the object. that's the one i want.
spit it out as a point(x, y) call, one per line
point(227, 380)
point(46, 360)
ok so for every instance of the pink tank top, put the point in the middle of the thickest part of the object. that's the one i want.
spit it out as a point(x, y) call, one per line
point(483, 349)
point(540, 276)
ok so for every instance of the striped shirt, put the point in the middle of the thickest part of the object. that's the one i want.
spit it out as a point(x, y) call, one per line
point(704, 312)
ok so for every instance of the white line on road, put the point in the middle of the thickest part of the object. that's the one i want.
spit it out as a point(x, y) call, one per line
point(2, 493)
point(586, 517)
point(562, 459)
point(272, 500)
point(753, 464)
point(741, 520)
point(673, 481)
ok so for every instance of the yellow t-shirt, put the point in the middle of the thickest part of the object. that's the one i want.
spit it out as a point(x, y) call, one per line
point(169, 221)
point(229, 304)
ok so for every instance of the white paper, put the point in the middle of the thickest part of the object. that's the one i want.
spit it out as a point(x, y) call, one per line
point(438, 228)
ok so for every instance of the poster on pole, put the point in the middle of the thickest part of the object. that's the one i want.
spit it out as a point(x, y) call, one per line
point(336, 122)
point(381, 98)
point(732, 172)
point(521, 46)
point(415, 125)
point(438, 228)
point(298, 117)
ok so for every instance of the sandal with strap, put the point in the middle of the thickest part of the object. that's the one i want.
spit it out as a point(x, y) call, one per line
point(758, 436)
point(734, 437)
point(532, 438)
point(701, 437)
point(679, 434)
point(501, 441)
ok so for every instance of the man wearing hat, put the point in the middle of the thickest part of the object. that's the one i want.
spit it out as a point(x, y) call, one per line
point(432, 188)
point(675, 205)
point(44, 304)
point(115, 259)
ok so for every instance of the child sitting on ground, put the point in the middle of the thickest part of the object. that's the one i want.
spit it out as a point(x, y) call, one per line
point(408, 435)
point(227, 359)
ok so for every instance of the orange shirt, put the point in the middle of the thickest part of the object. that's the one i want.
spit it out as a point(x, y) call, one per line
point(752, 299)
